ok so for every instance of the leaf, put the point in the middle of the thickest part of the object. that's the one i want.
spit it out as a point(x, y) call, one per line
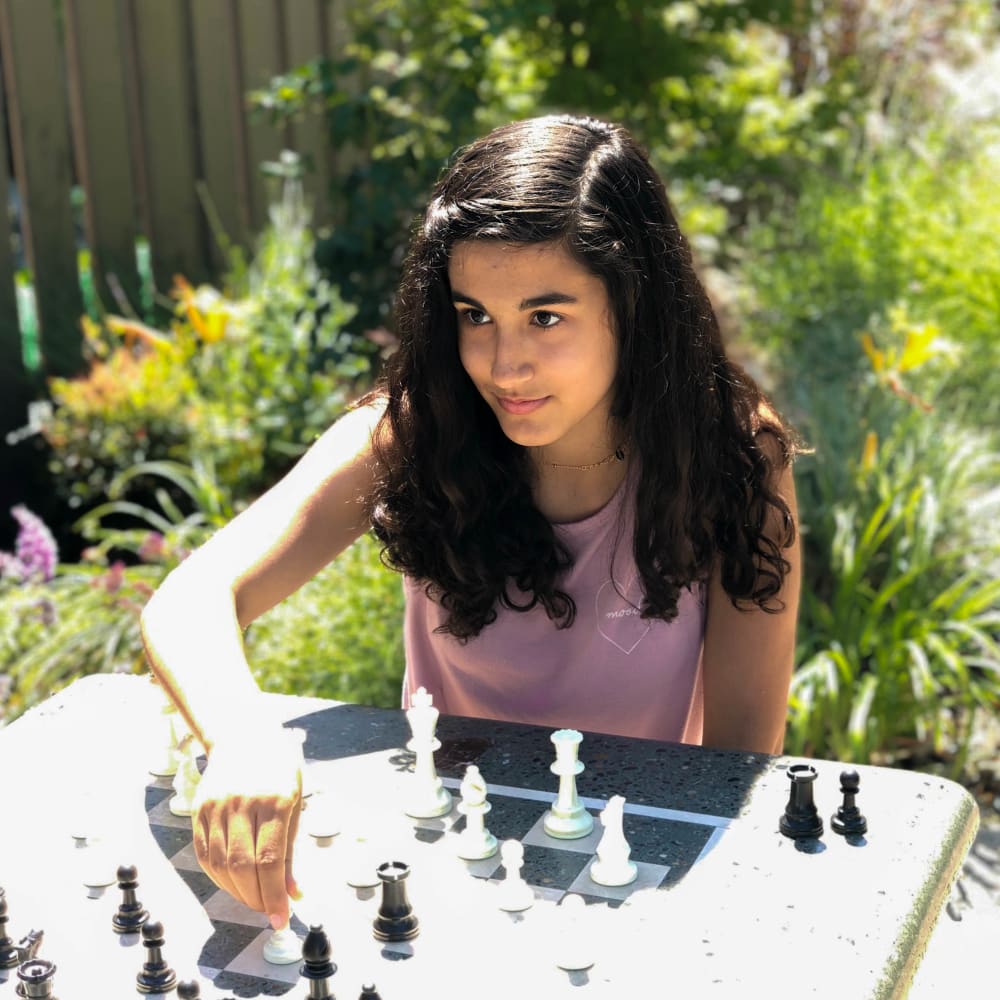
point(858, 724)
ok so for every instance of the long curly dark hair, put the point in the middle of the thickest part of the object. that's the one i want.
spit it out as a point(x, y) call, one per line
point(453, 503)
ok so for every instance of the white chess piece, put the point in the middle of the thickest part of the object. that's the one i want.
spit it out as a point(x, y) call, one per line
point(186, 779)
point(319, 816)
point(612, 866)
point(574, 946)
point(97, 865)
point(475, 841)
point(173, 730)
point(427, 797)
point(513, 893)
point(567, 819)
point(360, 864)
point(283, 947)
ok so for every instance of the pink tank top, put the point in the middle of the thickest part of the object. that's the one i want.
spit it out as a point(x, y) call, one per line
point(610, 672)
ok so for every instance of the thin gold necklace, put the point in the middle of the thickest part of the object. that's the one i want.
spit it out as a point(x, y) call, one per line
point(618, 455)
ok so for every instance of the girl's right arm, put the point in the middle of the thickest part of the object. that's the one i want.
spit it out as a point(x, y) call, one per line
point(192, 627)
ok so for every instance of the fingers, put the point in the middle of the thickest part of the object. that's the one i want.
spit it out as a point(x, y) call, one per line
point(244, 848)
point(275, 837)
point(291, 886)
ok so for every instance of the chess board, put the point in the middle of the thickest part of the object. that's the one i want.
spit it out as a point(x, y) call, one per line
point(454, 900)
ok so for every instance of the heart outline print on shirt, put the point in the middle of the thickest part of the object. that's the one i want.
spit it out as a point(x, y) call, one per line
point(617, 611)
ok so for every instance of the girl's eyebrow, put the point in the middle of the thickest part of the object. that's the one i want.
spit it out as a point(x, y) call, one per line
point(546, 299)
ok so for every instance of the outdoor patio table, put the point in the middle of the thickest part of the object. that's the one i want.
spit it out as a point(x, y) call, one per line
point(723, 904)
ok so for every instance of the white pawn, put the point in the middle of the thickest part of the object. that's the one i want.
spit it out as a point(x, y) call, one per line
point(574, 945)
point(567, 819)
point(475, 841)
point(186, 779)
point(428, 797)
point(361, 864)
point(612, 866)
point(97, 865)
point(513, 893)
point(319, 815)
point(283, 947)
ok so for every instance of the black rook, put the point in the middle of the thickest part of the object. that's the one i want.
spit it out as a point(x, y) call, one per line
point(801, 818)
point(396, 920)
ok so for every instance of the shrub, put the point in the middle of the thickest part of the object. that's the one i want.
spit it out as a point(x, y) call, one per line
point(78, 619)
point(912, 224)
point(251, 375)
point(340, 636)
point(901, 604)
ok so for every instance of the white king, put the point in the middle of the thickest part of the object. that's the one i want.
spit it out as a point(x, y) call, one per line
point(427, 797)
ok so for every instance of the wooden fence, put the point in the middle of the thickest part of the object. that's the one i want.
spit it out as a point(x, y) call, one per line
point(134, 102)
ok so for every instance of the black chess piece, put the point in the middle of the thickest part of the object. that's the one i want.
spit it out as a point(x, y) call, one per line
point(155, 976)
point(801, 818)
point(848, 819)
point(130, 915)
point(35, 977)
point(8, 950)
point(396, 920)
point(316, 965)
point(369, 993)
point(188, 989)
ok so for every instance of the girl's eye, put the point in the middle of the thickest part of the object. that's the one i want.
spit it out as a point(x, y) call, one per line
point(546, 319)
point(476, 317)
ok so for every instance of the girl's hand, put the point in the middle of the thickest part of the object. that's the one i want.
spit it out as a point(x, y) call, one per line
point(246, 817)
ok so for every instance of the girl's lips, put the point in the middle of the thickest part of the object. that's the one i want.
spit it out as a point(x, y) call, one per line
point(521, 406)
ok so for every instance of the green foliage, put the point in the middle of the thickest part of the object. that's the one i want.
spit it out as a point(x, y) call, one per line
point(340, 636)
point(901, 598)
point(252, 374)
point(913, 225)
point(408, 88)
point(86, 618)
point(898, 636)
point(733, 99)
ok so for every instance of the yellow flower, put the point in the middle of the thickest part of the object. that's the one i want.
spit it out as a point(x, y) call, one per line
point(876, 356)
point(921, 344)
point(131, 329)
point(869, 455)
point(209, 323)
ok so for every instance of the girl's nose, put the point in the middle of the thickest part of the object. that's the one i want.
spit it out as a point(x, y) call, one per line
point(511, 366)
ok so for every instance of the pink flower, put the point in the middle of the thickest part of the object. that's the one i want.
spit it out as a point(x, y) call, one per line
point(114, 578)
point(151, 549)
point(35, 552)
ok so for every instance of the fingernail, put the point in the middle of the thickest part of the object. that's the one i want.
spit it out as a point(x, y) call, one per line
point(276, 921)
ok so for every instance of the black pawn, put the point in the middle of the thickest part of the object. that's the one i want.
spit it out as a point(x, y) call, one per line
point(36, 979)
point(848, 819)
point(188, 989)
point(316, 965)
point(369, 993)
point(801, 818)
point(131, 915)
point(395, 920)
point(156, 976)
point(8, 950)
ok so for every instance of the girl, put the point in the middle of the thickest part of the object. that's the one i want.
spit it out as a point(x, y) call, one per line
point(592, 507)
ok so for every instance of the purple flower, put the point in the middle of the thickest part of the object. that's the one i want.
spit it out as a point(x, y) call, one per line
point(11, 567)
point(36, 549)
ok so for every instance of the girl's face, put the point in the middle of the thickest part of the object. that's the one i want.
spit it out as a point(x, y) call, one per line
point(535, 337)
